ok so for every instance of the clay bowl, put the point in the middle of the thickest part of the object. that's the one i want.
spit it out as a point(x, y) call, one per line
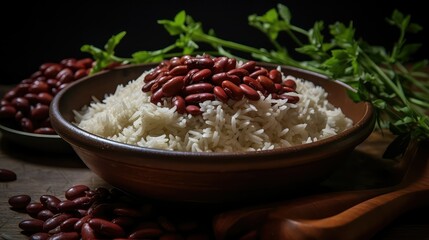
point(206, 177)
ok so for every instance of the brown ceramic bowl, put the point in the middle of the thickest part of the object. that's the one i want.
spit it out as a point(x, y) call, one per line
point(206, 177)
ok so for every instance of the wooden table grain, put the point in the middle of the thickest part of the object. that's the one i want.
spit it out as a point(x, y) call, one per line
point(41, 173)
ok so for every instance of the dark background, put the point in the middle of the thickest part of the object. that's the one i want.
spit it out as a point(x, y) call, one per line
point(48, 31)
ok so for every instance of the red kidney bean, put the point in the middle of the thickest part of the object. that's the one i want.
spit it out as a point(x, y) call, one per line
point(200, 62)
point(256, 73)
point(219, 64)
point(287, 89)
point(159, 82)
point(189, 75)
point(7, 175)
point(66, 75)
point(65, 236)
point(157, 96)
point(239, 72)
point(40, 236)
point(34, 208)
point(249, 66)
point(21, 104)
point(44, 214)
point(78, 226)
point(83, 202)
point(87, 233)
point(179, 70)
point(275, 75)
point(234, 79)
point(55, 221)
point(289, 98)
point(38, 87)
point(106, 228)
point(232, 90)
point(176, 61)
point(152, 75)
point(173, 86)
point(249, 92)
point(49, 201)
point(198, 88)
point(52, 70)
point(267, 83)
point(80, 73)
point(199, 98)
point(68, 224)
point(218, 78)
point(31, 225)
point(290, 83)
point(201, 75)
point(26, 124)
point(180, 104)
point(231, 63)
point(40, 112)
point(19, 201)
point(76, 191)
point(7, 111)
point(220, 94)
point(193, 110)
point(66, 205)
point(32, 98)
point(45, 130)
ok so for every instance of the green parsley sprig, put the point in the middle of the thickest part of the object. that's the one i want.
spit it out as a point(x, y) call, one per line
point(396, 85)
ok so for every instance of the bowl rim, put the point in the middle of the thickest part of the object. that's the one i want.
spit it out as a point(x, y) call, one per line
point(9, 130)
point(80, 138)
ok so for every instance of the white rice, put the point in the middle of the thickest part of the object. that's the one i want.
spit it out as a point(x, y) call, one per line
point(128, 116)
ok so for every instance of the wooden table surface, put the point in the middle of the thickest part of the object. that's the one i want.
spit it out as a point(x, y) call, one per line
point(41, 173)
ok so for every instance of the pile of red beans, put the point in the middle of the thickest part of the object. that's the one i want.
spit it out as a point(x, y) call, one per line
point(101, 213)
point(188, 81)
point(26, 106)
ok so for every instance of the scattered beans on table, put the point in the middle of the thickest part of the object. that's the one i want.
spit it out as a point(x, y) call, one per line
point(187, 81)
point(25, 107)
point(100, 213)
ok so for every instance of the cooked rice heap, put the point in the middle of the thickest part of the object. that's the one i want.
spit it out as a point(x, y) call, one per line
point(128, 116)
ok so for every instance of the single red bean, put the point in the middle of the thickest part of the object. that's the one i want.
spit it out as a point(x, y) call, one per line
point(40, 112)
point(52, 82)
point(21, 104)
point(65, 76)
point(180, 104)
point(200, 62)
point(76, 191)
point(34, 208)
point(50, 202)
point(45, 130)
point(44, 214)
point(256, 73)
point(31, 225)
point(176, 61)
point(152, 74)
point(249, 92)
point(55, 221)
point(201, 75)
point(267, 83)
point(249, 66)
point(66, 205)
point(232, 90)
point(38, 87)
point(275, 75)
point(7, 175)
point(290, 83)
point(289, 98)
point(80, 73)
point(220, 94)
point(218, 78)
point(179, 70)
point(159, 82)
point(279, 88)
point(86, 62)
point(231, 63)
point(173, 86)
point(7, 111)
point(19, 201)
point(239, 72)
point(65, 236)
point(52, 70)
point(32, 98)
point(157, 96)
point(193, 110)
point(219, 64)
point(287, 89)
point(106, 227)
point(26, 124)
point(83, 202)
point(79, 224)
point(189, 75)
point(87, 232)
point(21, 89)
point(40, 236)
point(198, 88)
point(68, 224)
point(234, 79)
point(199, 98)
